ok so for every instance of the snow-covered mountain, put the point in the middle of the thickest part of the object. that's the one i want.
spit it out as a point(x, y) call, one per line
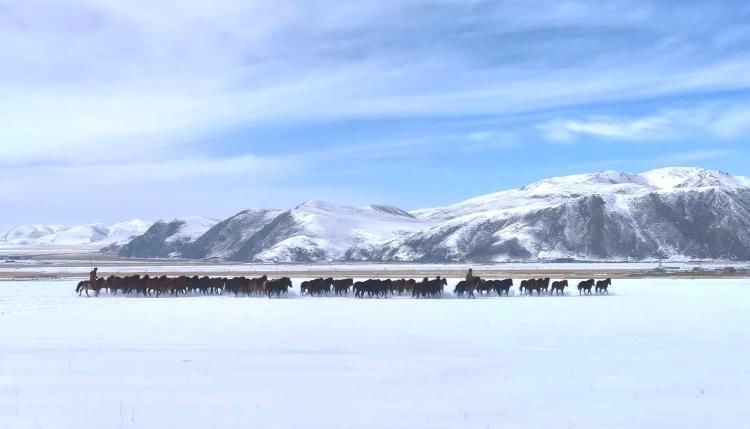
point(323, 231)
point(85, 237)
point(610, 215)
point(29, 233)
point(167, 238)
point(226, 237)
point(672, 212)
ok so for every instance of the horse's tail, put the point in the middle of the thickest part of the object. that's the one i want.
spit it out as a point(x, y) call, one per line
point(80, 286)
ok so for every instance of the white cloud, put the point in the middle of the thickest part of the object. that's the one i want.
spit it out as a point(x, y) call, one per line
point(715, 121)
point(647, 128)
point(92, 88)
point(80, 78)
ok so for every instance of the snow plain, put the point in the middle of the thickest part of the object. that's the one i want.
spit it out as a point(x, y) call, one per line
point(657, 353)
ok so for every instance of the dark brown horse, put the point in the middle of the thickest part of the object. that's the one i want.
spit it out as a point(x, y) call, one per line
point(543, 285)
point(278, 286)
point(342, 286)
point(558, 287)
point(467, 287)
point(501, 286)
point(531, 285)
point(602, 286)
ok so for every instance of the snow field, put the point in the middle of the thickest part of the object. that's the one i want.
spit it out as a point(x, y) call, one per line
point(656, 353)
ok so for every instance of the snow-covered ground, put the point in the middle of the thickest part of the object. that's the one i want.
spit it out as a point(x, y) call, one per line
point(656, 353)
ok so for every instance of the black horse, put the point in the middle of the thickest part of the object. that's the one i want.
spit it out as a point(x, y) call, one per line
point(585, 286)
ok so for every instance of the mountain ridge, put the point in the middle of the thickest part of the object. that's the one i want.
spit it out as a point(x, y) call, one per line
point(676, 212)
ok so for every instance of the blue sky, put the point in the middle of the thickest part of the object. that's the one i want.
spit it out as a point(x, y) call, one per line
point(111, 110)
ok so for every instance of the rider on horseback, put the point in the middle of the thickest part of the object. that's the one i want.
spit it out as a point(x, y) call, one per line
point(470, 277)
point(92, 276)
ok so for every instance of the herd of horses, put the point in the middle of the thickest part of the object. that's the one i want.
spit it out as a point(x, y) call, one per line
point(372, 288)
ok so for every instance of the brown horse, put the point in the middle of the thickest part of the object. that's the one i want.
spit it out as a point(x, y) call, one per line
point(531, 285)
point(602, 285)
point(86, 286)
point(467, 287)
point(558, 287)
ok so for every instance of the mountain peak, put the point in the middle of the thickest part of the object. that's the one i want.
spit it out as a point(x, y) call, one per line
point(576, 181)
point(692, 177)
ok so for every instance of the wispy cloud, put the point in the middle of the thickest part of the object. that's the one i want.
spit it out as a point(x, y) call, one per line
point(717, 121)
point(97, 73)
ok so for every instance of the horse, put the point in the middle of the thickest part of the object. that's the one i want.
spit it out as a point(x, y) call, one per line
point(558, 287)
point(278, 286)
point(373, 287)
point(467, 287)
point(341, 286)
point(318, 286)
point(602, 285)
point(402, 286)
point(543, 285)
point(531, 285)
point(257, 286)
point(585, 287)
point(483, 287)
point(86, 286)
point(501, 286)
point(432, 288)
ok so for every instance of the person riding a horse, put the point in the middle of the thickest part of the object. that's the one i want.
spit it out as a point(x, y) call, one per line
point(92, 276)
point(470, 276)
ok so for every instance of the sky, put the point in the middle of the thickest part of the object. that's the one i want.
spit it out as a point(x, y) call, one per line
point(113, 110)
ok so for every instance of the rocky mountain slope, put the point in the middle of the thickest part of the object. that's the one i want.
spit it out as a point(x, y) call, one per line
point(225, 238)
point(165, 239)
point(671, 213)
